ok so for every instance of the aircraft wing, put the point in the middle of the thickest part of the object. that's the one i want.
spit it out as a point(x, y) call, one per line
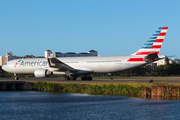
point(59, 65)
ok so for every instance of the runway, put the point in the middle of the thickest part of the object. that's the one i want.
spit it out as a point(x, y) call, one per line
point(108, 80)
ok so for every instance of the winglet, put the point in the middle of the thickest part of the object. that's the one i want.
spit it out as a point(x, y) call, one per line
point(53, 55)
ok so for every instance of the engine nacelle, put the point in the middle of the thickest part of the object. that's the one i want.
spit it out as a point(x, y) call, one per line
point(39, 73)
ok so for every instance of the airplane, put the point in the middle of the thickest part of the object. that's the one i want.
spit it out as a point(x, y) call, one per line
point(72, 67)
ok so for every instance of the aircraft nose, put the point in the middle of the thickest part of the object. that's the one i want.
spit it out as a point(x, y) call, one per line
point(4, 67)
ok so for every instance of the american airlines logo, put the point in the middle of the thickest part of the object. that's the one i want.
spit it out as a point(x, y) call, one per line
point(31, 63)
point(17, 63)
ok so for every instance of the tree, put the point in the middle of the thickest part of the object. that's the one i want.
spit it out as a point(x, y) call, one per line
point(29, 56)
point(167, 69)
point(167, 62)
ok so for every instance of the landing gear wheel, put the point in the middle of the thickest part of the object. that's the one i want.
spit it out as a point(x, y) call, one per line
point(83, 78)
point(73, 78)
point(89, 78)
point(67, 78)
point(16, 78)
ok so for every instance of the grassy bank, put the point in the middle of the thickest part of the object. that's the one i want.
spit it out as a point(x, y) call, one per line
point(145, 89)
point(105, 89)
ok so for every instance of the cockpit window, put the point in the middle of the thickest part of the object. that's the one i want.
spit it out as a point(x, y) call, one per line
point(5, 64)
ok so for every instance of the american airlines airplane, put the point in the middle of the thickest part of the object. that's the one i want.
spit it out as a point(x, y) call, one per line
point(72, 67)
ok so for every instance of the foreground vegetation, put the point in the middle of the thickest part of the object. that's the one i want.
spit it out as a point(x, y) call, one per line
point(107, 89)
point(153, 91)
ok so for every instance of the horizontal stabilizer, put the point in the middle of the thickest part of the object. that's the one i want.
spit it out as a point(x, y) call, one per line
point(151, 57)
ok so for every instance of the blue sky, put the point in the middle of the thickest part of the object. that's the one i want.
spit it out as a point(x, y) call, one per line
point(112, 27)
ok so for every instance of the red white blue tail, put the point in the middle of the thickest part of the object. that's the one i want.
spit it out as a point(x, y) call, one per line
point(150, 50)
point(154, 43)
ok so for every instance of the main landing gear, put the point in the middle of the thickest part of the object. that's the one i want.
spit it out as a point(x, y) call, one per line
point(16, 76)
point(73, 77)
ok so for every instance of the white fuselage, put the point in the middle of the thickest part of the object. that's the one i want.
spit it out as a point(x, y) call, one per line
point(89, 64)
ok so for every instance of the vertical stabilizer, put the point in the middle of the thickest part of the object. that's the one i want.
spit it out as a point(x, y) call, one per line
point(154, 43)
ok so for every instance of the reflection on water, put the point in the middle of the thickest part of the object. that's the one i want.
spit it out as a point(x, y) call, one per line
point(45, 105)
point(161, 98)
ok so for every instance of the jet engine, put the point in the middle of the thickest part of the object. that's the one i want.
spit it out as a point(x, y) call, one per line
point(39, 73)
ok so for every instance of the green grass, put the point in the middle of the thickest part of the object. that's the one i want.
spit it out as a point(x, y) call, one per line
point(47, 87)
point(133, 89)
point(107, 89)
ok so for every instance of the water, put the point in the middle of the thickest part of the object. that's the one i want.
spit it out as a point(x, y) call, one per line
point(29, 105)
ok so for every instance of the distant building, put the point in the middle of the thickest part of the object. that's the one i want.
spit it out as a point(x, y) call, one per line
point(47, 53)
point(59, 54)
point(3, 60)
point(70, 54)
point(174, 60)
point(163, 61)
point(9, 53)
point(9, 56)
point(153, 65)
point(83, 54)
point(93, 53)
point(160, 62)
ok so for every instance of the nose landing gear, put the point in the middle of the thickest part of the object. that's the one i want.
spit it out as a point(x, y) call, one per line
point(16, 76)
